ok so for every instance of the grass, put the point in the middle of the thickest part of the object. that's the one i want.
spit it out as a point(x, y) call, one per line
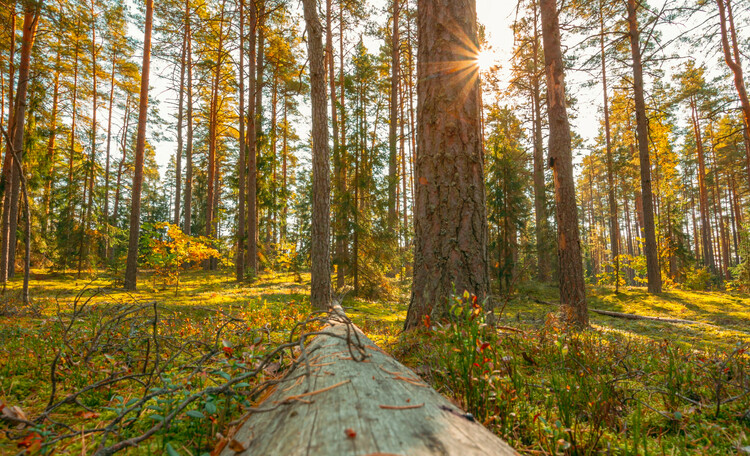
point(623, 387)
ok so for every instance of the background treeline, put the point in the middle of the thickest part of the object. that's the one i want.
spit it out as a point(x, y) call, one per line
point(230, 103)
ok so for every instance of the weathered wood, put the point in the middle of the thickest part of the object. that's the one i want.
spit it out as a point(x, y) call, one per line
point(352, 407)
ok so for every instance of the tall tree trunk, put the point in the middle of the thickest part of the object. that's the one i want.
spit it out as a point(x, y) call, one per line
point(339, 185)
point(320, 293)
point(540, 196)
point(70, 206)
point(652, 254)
point(706, 238)
point(393, 123)
point(251, 260)
point(131, 270)
point(188, 206)
point(50, 158)
point(14, 144)
point(83, 248)
point(242, 165)
point(614, 225)
point(572, 287)
point(118, 186)
point(180, 141)
point(105, 216)
point(733, 60)
point(449, 211)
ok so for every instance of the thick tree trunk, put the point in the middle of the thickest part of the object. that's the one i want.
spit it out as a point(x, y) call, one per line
point(652, 254)
point(572, 287)
point(449, 211)
point(131, 270)
point(320, 293)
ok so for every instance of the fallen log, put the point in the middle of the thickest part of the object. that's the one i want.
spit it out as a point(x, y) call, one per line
point(628, 316)
point(353, 399)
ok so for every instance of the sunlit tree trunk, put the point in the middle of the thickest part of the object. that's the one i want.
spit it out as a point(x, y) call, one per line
point(449, 211)
point(652, 254)
point(188, 205)
point(320, 293)
point(614, 225)
point(572, 287)
point(251, 260)
point(706, 238)
point(393, 123)
point(540, 195)
point(131, 270)
point(14, 145)
point(242, 165)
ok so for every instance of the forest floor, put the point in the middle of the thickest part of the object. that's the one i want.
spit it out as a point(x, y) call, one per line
point(91, 359)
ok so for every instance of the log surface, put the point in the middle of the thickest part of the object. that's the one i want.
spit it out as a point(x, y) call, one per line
point(356, 408)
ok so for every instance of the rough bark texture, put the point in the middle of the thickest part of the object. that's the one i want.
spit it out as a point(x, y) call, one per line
point(649, 230)
point(320, 293)
point(131, 270)
point(450, 245)
point(572, 287)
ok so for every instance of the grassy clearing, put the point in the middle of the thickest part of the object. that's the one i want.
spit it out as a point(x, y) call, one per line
point(623, 387)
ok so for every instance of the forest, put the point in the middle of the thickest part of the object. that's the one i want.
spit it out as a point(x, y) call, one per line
point(530, 217)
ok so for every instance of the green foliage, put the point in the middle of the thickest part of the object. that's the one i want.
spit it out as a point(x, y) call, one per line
point(169, 251)
point(697, 279)
point(741, 272)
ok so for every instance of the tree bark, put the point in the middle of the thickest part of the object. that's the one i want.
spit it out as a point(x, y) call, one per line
point(242, 165)
point(393, 123)
point(320, 293)
point(251, 260)
point(131, 270)
point(105, 216)
point(572, 287)
point(15, 140)
point(449, 211)
point(652, 254)
point(188, 205)
point(540, 191)
point(83, 249)
point(614, 225)
point(180, 142)
point(706, 238)
point(732, 58)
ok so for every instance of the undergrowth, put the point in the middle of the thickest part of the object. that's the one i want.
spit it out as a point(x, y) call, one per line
point(548, 390)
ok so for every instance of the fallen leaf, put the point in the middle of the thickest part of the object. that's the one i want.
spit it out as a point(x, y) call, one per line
point(86, 415)
point(236, 446)
point(351, 433)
